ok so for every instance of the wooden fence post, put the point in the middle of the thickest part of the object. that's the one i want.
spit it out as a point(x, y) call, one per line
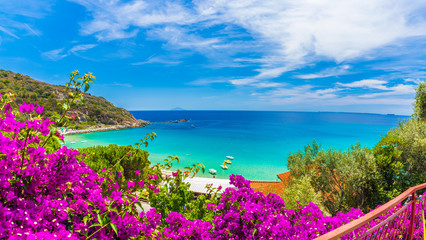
point(413, 212)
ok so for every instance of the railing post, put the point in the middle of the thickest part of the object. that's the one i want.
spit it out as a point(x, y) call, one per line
point(413, 212)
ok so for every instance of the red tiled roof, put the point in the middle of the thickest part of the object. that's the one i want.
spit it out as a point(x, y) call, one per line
point(284, 177)
point(276, 187)
point(267, 187)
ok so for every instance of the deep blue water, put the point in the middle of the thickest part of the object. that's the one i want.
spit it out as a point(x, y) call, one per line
point(260, 141)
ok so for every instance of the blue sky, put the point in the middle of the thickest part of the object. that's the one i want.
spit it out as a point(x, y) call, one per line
point(285, 55)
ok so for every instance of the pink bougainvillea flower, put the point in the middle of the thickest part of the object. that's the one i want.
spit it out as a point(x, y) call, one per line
point(130, 184)
point(26, 108)
point(39, 109)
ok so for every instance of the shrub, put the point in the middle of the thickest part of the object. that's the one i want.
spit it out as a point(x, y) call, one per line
point(300, 193)
point(345, 179)
point(105, 157)
point(420, 103)
point(401, 159)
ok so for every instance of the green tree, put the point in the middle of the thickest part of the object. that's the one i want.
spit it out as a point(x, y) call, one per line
point(401, 158)
point(390, 166)
point(420, 103)
point(344, 179)
point(300, 193)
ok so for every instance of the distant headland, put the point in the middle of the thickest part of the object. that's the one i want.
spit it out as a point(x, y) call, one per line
point(96, 114)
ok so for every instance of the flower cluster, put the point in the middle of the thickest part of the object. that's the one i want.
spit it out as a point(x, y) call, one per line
point(55, 195)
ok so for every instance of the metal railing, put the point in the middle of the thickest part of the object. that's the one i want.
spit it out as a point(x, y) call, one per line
point(400, 218)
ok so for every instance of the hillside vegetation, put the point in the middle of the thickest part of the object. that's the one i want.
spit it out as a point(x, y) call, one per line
point(96, 111)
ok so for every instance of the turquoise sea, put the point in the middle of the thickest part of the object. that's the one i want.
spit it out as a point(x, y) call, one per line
point(259, 141)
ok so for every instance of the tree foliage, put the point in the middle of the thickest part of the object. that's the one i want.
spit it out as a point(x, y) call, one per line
point(122, 159)
point(401, 159)
point(300, 193)
point(420, 103)
point(343, 178)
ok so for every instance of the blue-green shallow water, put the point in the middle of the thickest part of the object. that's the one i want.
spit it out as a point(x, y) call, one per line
point(259, 141)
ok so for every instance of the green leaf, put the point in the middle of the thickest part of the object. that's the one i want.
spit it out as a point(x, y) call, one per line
point(86, 87)
point(139, 205)
point(95, 225)
point(114, 227)
point(100, 220)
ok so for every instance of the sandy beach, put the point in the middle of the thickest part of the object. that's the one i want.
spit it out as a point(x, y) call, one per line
point(138, 123)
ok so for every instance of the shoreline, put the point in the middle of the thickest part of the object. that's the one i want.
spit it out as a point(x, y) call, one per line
point(137, 123)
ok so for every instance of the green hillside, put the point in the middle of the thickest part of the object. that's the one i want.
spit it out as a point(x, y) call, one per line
point(96, 111)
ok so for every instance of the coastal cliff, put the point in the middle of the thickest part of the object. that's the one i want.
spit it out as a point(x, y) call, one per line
point(95, 114)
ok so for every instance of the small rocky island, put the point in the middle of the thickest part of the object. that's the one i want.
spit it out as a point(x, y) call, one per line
point(177, 121)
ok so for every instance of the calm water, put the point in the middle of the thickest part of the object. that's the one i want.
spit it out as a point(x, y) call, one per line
point(259, 141)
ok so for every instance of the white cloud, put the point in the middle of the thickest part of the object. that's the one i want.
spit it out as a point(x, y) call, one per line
point(158, 59)
point(179, 38)
point(337, 30)
point(243, 81)
point(416, 81)
point(288, 34)
point(32, 9)
point(58, 54)
point(395, 90)
point(400, 89)
point(8, 32)
point(366, 83)
point(82, 47)
point(116, 20)
point(256, 83)
point(121, 84)
point(268, 73)
point(32, 31)
point(239, 82)
point(55, 54)
point(312, 97)
point(302, 93)
point(329, 72)
point(267, 84)
point(10, 11)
